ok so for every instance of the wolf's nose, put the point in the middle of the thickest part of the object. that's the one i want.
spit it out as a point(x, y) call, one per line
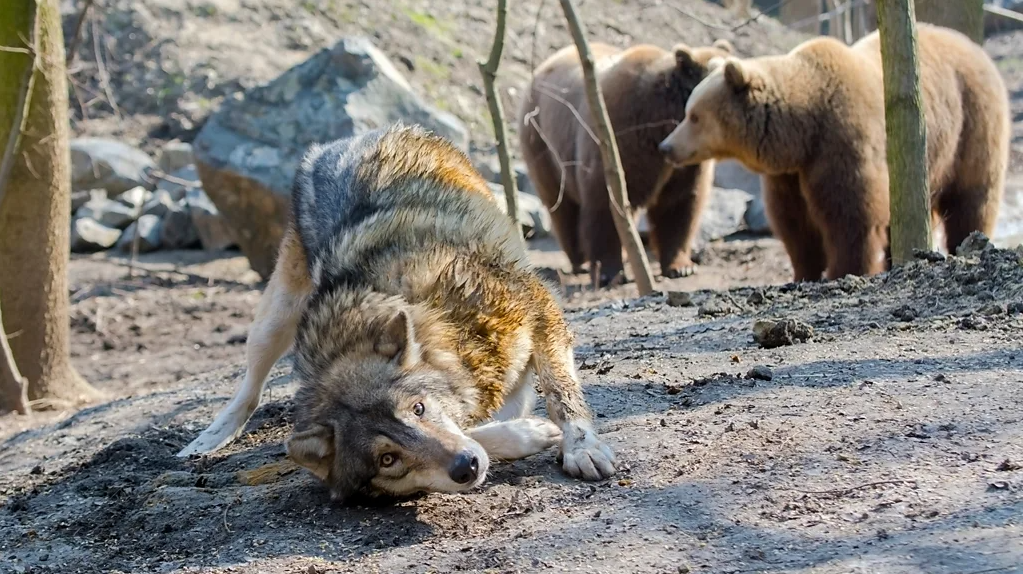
point(664, 147)
point(465, 469)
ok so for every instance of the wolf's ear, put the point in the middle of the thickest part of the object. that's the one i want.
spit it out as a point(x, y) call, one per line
point(398, 340)
point(724, 45)
point(313, 449)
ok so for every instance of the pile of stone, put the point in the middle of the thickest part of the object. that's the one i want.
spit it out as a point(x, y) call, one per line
point(120, 197)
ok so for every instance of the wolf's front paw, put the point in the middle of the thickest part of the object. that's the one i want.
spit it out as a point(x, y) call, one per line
point(584, 455)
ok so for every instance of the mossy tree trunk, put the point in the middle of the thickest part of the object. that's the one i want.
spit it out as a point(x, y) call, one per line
point(614, 175)
point(906, 130)
point(966, 16)
point(35, 206)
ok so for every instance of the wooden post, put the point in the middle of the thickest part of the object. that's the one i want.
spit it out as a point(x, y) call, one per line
point(621, 211)
point(906, 131)
point(488, 70)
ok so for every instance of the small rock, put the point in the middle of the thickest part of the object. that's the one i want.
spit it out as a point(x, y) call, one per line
point(36, 470)
point(1014, 308)
point(992, 309)
point(771, 333)
point(135, 197)
point(905, 313)
point(148, 234)
point(80, 198)
point(159, 204)
point(174, 155)
point(107, 164)
point(760, 372)
point(108, 212)
point(679, 299)
point(999, 485)
point(178, 231)
point(1008, 466)
point(88, 235)
point(927, 255)
point(757, 297)
point(974, 244)
point(973, 323)
point(715, 308)
point(214, 232)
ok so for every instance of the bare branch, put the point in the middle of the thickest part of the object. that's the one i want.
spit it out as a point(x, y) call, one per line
point(104, 76)
point(488, 70)
point(77, 34)
point(613, 173)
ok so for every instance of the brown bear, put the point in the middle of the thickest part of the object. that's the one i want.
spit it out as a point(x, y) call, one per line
point(812, 122)
point(645, 89)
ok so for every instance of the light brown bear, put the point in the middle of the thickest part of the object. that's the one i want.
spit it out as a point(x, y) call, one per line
point(812, 123)
point(645, 89)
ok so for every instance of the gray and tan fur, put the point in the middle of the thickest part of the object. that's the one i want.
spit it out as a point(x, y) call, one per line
point(418, 328)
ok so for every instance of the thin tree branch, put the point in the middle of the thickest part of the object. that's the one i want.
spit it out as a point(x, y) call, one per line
point(77, 34)
point(613, 173)
point(104, 76)
point(16, 396)
point(488, 70)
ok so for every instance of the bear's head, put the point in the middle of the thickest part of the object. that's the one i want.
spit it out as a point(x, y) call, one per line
point(721, 115)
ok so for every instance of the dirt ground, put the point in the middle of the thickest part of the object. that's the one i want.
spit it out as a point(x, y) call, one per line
point(891, 441)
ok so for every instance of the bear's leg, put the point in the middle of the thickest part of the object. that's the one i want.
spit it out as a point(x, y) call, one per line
point(675, 218)
point(790, 221)
point(853, 218)
point(600, 241)
point(965, 210)
point(565, 221)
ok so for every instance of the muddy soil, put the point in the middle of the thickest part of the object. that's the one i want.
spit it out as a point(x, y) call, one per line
point(889, 441)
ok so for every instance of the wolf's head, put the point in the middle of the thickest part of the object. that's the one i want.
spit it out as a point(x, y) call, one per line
point(379, 406)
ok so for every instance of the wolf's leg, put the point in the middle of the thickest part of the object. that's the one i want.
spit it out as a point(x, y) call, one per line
point(521, 400)
point(582, 452)
point(516, 438)
point(270, 336)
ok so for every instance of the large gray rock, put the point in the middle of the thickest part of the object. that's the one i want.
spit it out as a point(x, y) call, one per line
point(490, 169)
point(174, 155)
point(149, 227)
point(247, 152)
point(108, 212)
point(98, 163)
point(88, 235)
point(723, 215)
point(1009, 229)
point(214, 232)
point(532, 216)
point(730, 174)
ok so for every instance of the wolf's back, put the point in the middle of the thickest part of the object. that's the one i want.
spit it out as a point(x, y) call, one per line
point(394, 190)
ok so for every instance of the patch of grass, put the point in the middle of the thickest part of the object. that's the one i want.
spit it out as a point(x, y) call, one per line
point(428, 22)
point(432, 68)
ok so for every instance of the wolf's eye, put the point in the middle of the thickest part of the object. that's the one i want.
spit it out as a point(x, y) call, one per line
point(388, 460)
point(693, 119)
point(418, 409)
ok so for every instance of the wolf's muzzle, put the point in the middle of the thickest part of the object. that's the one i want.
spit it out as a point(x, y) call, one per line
point(465, 468)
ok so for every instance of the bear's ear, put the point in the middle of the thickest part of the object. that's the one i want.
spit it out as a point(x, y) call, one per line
point(724, 46)
point(683, 56)
point(738, 75)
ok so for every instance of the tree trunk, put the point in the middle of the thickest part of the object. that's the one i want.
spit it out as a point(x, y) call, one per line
point(36, 208)
point(488, 70)
point(966, 16)
point(907, 134)
point(614, 175)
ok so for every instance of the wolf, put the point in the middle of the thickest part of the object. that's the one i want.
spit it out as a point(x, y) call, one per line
point(417, 324)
